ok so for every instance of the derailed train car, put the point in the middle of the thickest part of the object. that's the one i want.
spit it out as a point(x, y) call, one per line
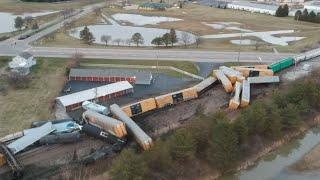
point(176, 97)
point(60, 138)
point(106, 123)
point(206, 84)
point(251, 72)
point(140, 107)
point(150, 104)
point(99, 133)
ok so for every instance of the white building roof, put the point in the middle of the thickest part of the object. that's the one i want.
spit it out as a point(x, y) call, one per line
point(30, 137)
point(255, 5)
point(89, 94)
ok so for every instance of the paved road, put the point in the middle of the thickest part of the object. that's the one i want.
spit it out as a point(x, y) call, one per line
point(133, 54)
point(8, 49)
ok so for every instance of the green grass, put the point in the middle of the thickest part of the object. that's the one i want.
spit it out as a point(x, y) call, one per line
point(20, 107)
point(183, 65)
point(4, 61)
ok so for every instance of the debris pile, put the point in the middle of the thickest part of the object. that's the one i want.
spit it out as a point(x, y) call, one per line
point(237, 80)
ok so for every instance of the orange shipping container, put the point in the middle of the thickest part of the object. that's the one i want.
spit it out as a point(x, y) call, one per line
point(106, 123)
point(176, 97)
point(235, 100)
point(140, 107)
point(224, 80)
point(249, 72)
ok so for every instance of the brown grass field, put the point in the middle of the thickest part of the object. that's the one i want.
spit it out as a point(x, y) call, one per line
point(194, 15)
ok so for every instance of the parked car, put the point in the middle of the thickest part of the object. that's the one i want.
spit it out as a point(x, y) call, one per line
point(22, 37)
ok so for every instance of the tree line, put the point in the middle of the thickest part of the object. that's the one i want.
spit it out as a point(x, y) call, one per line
point(166, 39)
point(27, 22)
point(282, 11)
point(213, 139)
point(306, 16)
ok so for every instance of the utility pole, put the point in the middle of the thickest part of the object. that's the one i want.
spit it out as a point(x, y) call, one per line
point(238, 59)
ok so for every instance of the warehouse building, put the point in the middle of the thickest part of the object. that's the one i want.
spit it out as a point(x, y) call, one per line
point(154, 6)
point(253, 7)
point(312, 6)
point(73, 101)
point(111, 76)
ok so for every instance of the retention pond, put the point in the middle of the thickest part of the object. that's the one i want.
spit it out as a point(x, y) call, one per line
point(277, 164)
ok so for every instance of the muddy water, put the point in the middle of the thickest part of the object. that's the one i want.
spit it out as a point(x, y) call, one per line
point(276, 165)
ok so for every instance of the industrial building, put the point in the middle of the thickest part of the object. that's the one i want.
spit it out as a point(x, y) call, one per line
point(312, 6)
point(154, 6)
point(111, 76)
point(102, 93)
point(253, 7)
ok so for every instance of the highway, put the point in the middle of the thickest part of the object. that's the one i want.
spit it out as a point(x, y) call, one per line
point(143, 54)
point(12, 47)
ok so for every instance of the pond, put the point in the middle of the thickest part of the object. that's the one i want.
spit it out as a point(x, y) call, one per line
point(122, 34)
point(276, 165)
point(7, 19)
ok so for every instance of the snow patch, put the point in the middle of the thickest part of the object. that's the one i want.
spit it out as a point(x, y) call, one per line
point(140, 20)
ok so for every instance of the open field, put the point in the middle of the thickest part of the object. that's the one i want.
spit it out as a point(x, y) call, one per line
point(17, 6)
point(22, 106)
point(195, 15)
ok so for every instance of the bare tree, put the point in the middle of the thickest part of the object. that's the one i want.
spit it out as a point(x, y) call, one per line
point(137, 39)
point(50, 37)
point(97, 10)
point(128, 42)
point(198, 41)
point(68, 25)
point(257, 45)
point(75, 60)
point(28, 21)
point(185, 37)
point(106, 39)
point(117, 41)
point(67, 12)
point(18, 80)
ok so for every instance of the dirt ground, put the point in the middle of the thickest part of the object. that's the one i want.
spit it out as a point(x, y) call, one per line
point(174, 117)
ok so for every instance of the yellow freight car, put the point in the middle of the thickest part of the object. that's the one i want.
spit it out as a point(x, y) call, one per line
point(2, 160)
point(140, 107)
point(250, 72)
point(256, 66)
point(176, 97)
